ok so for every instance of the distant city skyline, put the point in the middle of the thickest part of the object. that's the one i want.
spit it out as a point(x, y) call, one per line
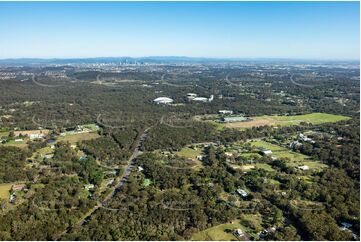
point(286, 30)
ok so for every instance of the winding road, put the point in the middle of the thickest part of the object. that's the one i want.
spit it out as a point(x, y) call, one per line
point(231, 83)
point(299, 84)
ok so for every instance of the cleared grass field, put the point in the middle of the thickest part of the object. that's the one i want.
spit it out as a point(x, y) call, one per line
point(4, 190)
point(314, 118)
point(250, 155)
point(45, 150)
point(252, 219)
point(219, 232)
point(247, 167)
point(191, 154)
point(244, 167)
point(4, 134)
point(73, 138)
point(265, 167)
point(306, 205)
point(21, 144)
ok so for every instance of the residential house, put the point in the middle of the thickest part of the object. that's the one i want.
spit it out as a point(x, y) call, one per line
point(200, 157)
point(242, 192)
point(238, 232)
point(304, 168)
point(265, 151)
point(89, 187)
point(18, 187)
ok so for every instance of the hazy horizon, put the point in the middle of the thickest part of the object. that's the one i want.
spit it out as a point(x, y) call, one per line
point(184, 57)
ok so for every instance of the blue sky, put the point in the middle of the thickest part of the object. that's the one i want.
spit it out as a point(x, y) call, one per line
point(312, 30)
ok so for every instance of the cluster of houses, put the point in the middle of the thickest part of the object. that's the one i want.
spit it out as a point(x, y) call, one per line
point(301, 138)
point(239, 233)
point(304, 138)
point(31, 134)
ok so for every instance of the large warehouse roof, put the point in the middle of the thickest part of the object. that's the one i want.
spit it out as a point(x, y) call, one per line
point(163, 100)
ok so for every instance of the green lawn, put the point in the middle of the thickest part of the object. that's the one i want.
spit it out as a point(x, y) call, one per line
point(306, 205)
point(314, 118)
point(74, 138)
point(243, 167)
point(252, 222)
point(264, 166)
point(248, 167)
point(274, 182)
point(21, 144)
point(45, 150)
point(4, 133)
point(218, 232)
point(250, 155)
point(189, 153)
point(5, 190)
point(314, 165)
point(274, 120)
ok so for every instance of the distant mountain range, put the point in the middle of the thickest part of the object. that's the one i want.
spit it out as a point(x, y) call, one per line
point(161, 59)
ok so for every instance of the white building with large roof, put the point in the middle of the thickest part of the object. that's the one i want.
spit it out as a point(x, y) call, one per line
point(163, 100)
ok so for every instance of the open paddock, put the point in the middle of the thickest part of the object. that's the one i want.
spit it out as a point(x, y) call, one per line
point(190, 153)
point(5, 190)
point(313, 118)
point(222, 232)
point(74, 138)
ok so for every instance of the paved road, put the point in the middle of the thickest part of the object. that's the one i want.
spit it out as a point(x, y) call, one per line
point(123, 180)
point(299, 84)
